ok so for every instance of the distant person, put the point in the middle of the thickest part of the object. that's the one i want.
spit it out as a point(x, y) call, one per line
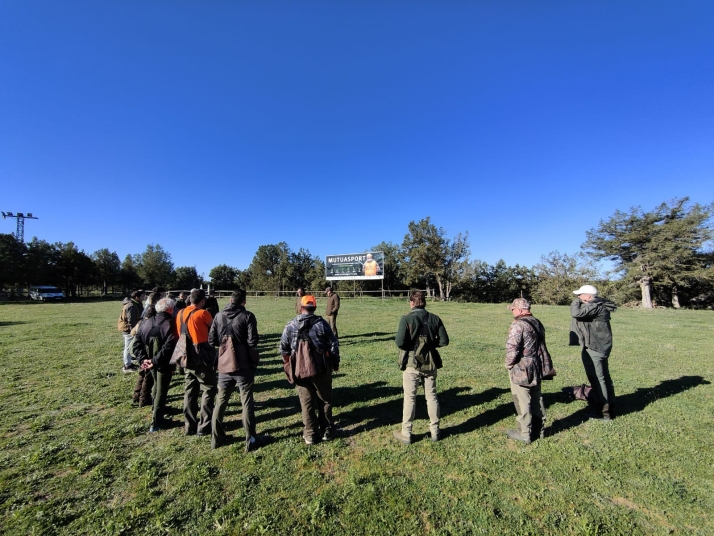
point(237, 369)
point(333, 307)
point(130, 316)
point(150, 303)
point(591, 324)
point(153, 347)
point(212, 303)
point(309, 344)
point(180, 303)
point(528, 362)
point(201, 374)
point(370, 266)
point(419, 335)
point(299, 294)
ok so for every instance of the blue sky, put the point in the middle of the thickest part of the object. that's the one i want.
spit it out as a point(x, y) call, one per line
point(212, 128)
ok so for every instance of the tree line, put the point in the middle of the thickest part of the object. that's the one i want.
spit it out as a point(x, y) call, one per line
point(658, 257)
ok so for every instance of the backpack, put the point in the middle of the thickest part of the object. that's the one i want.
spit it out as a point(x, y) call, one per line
point(306, 360)
point(182, 355)
point(424, 349)
point(123, 323)
point(233, 356)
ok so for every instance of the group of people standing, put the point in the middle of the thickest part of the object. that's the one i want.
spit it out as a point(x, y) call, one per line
point(310, 351)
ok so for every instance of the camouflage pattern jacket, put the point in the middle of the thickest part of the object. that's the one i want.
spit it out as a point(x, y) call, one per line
point(320, 334)
point(527, 355)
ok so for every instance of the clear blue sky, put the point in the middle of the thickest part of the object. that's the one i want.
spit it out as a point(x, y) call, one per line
point(212, 128)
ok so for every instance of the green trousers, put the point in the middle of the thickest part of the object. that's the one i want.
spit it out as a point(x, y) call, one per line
point(160, 392)
point(597, 370)
point(530, 410)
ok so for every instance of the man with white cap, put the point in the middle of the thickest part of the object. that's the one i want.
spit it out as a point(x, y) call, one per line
point(528, 362)
point(591, 324)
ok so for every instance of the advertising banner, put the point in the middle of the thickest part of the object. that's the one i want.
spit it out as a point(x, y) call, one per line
point(355, 266)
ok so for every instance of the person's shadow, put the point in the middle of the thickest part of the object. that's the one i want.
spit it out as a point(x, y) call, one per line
point(625, 404)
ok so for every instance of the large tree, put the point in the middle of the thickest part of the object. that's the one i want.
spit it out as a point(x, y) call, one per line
point(664, 249)
point(108, 267)
point(155, 266)
point(223, 276)
point(74, 266)
point(427, 253)
point(186, 277)
point(12, 261)
point(270, 267)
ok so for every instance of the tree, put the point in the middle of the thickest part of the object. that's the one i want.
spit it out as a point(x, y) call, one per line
point(74, 266)
point(186, 277)
point(660, 249)
point(154, 266)
point(393, 276)
point(427, 253)
point(12, 261)
point(108, 267)
point(558, 275)
point(223, 276)
point(129, 273)
point(41, 263)
point(270, 266)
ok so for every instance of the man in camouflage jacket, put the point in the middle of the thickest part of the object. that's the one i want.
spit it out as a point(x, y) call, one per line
point(528, 362)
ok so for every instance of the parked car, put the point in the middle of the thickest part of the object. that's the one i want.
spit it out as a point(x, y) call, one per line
point(46, 293)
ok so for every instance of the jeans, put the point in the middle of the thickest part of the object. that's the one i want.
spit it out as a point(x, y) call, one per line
point(411, 379)
point(244, 379)
point(126, 356)
point(202, 379)
point(316, 396)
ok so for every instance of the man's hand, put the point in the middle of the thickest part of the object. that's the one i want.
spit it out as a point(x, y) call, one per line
point(146, 365)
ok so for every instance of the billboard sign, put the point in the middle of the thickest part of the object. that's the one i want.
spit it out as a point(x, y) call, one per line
point(355, 266)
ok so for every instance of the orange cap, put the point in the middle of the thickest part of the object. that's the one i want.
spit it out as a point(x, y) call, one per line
point(308, 301)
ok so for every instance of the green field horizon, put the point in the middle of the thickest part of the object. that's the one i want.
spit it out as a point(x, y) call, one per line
point(77, 458)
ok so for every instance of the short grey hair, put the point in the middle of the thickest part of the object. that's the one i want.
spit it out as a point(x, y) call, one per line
point(165, 305)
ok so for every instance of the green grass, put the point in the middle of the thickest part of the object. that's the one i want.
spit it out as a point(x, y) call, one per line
point(76, 458)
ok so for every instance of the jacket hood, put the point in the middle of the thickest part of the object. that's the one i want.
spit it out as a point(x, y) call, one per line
point(607, 304)
point(304, 318)
point(232, 310)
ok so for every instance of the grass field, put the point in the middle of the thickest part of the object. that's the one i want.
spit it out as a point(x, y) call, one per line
point(76, 458)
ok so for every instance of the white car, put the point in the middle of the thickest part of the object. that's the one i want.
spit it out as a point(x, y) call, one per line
point(46, 293)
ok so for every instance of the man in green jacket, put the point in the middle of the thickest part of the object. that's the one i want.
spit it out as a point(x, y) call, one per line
point(419, 335)
point(591, 324)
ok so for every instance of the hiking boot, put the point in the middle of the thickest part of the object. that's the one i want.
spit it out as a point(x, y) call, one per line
point(329, 434)
point(436, 436)
point(407, 440)
point(599, 417)
point(154, 429)
point(126, 369)
point(516, 435)
point(309, 440)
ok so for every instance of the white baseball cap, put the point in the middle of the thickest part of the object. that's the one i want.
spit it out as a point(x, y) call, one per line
point(586, 289)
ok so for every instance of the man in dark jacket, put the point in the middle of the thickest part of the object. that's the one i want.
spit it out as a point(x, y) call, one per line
point(130, 316)
point(242, 327)
point(528, 362)
point(212, 303)
point(314, 391)
point(591, 325)
point(155, 343)
point(333, 307)
point(418, 336)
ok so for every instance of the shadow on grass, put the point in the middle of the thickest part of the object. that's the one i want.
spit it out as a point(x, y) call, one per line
point(451, 401)
point(626, 404)
point(12, 323)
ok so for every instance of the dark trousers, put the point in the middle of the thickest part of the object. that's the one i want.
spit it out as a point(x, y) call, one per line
point(142, 389)
point(316, 402)
point(162, 382)
point(244, 379)
point(202, 380)
point(597, 370)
